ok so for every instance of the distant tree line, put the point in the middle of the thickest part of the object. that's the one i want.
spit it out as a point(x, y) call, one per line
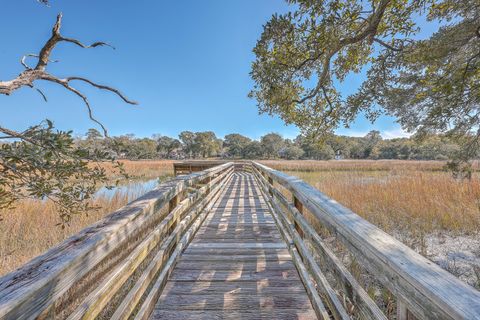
point(200, 145)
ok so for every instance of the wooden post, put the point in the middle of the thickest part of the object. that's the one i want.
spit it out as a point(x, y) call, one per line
point(402, 311)
point(171, 205)
point(209, 179)
point(299, 207)
point(270, 181)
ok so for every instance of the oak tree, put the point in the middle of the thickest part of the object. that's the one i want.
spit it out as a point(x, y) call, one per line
point(430, 85)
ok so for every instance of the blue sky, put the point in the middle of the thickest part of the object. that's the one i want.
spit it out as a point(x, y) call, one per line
point(186, 62)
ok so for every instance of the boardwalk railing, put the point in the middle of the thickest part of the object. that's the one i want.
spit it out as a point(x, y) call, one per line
point(117, 266)
point(423, 290)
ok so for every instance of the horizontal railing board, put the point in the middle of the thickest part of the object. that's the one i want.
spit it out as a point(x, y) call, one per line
point(30, 289)
point(429, 291)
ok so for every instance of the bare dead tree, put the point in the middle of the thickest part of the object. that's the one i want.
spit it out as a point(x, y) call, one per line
point(39, 72)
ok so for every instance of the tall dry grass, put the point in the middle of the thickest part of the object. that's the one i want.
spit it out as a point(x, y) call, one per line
point(142, 169)
point(32, 227)
point(399, 196)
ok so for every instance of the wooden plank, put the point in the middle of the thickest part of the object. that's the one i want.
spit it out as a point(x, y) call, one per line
point(247, 245)
point(239, 227)
point(238, 240)
point(241, 213)
point(234, 251)
point(266, 286)
point(228, 265)
point(233, 301)
point(226, 232)
point(278, 314)
point(214, 275)
point(238, 258)
point(228, 235)
point(406, 273)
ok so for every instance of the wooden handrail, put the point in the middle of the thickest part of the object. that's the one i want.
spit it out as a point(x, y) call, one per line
point(37, 288)
point(426, 290)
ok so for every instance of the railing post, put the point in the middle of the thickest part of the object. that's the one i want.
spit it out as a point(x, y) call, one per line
point(171, 205)
point(270, 182)
point(208, 180)
point(297, 204)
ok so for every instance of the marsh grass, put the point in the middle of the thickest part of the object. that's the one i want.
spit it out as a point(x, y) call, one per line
point(415, 201)
point(407, 197)
point(141, 169)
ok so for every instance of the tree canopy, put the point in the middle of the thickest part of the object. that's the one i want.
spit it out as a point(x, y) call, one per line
point(430, 85)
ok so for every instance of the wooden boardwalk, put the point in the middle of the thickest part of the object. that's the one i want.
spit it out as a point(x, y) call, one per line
point(237, 266)
point(233, 241)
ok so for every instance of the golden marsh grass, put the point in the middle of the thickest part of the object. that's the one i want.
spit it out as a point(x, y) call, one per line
point(404, 196)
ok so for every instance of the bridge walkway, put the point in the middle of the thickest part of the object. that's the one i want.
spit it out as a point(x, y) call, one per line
point(237, 266)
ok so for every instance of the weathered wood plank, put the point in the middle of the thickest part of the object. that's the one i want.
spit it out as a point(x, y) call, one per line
point(214, 275)
point(266, 286)
point(278, 314)
point(239, 240)
point(239, 258)
point(233, 301)
point(247, 245)
point(228, 265)
point(234, 251)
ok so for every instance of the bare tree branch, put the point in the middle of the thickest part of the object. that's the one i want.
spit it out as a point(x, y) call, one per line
point(41, 93)
point(93, 45)
point(30, 75)
point(103, 87)
point(15, 134)
point(22, 61)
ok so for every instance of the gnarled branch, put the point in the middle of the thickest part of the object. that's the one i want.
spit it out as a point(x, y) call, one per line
point(30, 75)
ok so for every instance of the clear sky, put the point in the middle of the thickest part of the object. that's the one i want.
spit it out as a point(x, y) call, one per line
point(186, 62)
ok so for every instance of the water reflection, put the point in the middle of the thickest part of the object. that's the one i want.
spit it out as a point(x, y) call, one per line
point(131, 189)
